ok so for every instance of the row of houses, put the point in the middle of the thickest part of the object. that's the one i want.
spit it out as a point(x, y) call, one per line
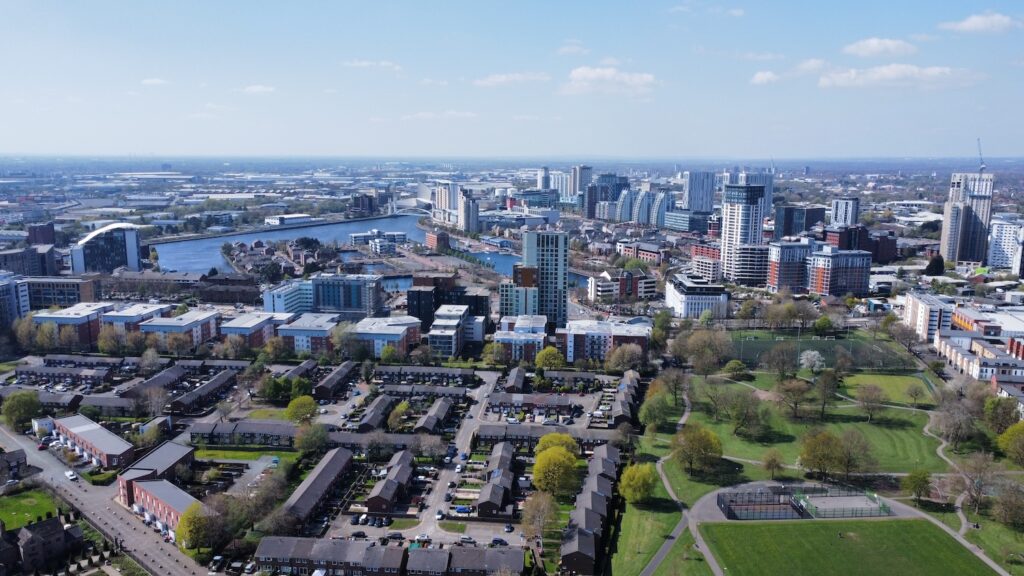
point(393, 486)
point(290, 555)
point(425, 390)
point(495, 499)
point(586, 535)
point(526, 436)
point(325, 479)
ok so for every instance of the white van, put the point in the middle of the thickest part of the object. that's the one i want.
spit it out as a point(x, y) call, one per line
point(71, 475)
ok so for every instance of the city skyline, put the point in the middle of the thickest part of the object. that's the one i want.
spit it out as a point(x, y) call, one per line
point(682, 79)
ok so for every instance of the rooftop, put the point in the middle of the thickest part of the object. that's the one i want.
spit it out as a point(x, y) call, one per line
point(103, 439)
point(186, 319)
point(389, 325)
point(134, 311)
point(606, 327)
point(254, 319)
point(168, 493)
point(310, 321)
point(78, 311)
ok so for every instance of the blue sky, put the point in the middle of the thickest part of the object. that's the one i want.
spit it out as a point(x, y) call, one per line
point(675, 79)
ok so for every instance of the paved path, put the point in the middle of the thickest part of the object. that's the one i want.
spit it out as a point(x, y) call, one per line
point(684, 521)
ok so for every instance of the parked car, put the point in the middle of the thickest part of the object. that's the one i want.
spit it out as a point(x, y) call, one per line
point(423, 538)
point(355, 520)
point(359, 534)
point(509, 528)
point(452, 484)
point(250, 568)
point(439, 515)
point(448, 497)
point(41, 447)
point(467, 540)
point(396, 536)
point(71, 475)
point(458, 469)
point(498, 542)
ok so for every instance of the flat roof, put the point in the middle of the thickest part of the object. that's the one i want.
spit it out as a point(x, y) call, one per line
point(190, 317)
point(136, 310)
point(78, 311)
point(103, 439)
point(254, 319)
point(311, 321)
point(168, 493)
point(389, 325)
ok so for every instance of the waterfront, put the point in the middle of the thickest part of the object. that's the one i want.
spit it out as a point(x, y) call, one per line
point(202, 254)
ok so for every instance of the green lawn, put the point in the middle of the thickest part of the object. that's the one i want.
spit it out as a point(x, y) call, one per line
point(896, 436)
point(403, 523)
point(8, 366)
point(642, 532)
point(998, 541)
point(905, 547)
point(683, 559)
point(457, 527)
point(20, 509)
point(267, 414)
point(895, 387)
point(230, 454)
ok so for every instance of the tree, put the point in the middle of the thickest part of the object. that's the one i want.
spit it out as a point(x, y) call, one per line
point(653, 412)
point(696, 447)
point(135, 343)
point(812, 360)
point(155, 399)
point(539, 510)
point(793, 393)
point(955, 423)
point(773, 462)
point(915, 392)
point(936, 266)
point(366, 370)
point(181, 309)
point(91, 412)
point(235, 347)
point(711, 346)
point(301, 409)
point(67, 337)
point(179, 344)
point(625, 357)
point(872, 400)
point(637, 482)
point(625, 436)
point(193, 527)
point(1011, 442)
point(937, 366)
point(149, 361)
point(46, 337)
point(1001, 413)
point(109, 340)
point(736, 370)
point(742, 407)
point(397, 415)
point(748, 310)
point(21, 407)
point(389, 355)
point(978, 472)
point(819, 451)
point(826, 385)
point(675, 382)
point(844, 361)
point(432, 446)
point(707, 318)
point(311, 439)
point(554, 471)
point(918, 483)
point(904, 335)
point(275, 349)
point(854, 453)
point(1009, 506)
point(556, 439)
point(822, 326)
point(781, 359)
point(25, 332)
point(549, 359)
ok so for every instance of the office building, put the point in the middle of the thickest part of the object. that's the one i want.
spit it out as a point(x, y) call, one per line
point(548, 252)
point(14, 298)
point(1004, 244)
point(613, 286)
point(698, 191)
point(687, 221)
point(579, 179)
point(35, 260)
point(787, 265)
point(707, 268)
point(107, 249)
point(765, 179)
point(794, 220)
point(965, 218)
point(624, 205)
point(469, 213)
point(846, 211)
point(543, 178)
point(742, 223)
point(642, 207)
point(834, 272)
point(690, 296)
point(590, 200)
point(750, 265)
point(350, 296)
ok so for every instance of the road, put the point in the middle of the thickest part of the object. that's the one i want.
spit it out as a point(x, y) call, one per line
point(98, 505)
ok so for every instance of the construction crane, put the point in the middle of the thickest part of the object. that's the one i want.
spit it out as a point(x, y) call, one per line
point(981, 159)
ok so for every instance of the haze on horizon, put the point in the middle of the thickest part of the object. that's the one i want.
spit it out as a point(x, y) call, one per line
point(677, 78)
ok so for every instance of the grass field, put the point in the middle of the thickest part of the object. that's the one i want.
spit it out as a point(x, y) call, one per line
point(683, 559)
point(267, 414)
point(867, 352)
point(457, 527)
point(20, 509)
point(896, 436)
point(895, 387)
point(229, 454)
point(403, 523)
point(905, 547)
point(998, 541)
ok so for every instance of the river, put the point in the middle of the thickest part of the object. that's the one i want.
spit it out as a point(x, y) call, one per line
point(203, 254)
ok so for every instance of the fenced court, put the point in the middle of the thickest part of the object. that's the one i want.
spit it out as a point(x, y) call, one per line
point(800, 502)
point(750, 346)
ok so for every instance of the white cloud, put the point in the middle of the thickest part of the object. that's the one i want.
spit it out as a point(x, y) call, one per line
point(736, 12)
point(610, 61)
point(870, 47)
point(609, 80)
point(987, 22)
point(382, 64)
point(511, 78)
point(459, 114)
point(330, 90)
point(258, 89)
point(154, 82)
point(433, 82)
point(810, 66)
point(892, 75)
point(573, 48)
point(764, 77)
point(761, 56)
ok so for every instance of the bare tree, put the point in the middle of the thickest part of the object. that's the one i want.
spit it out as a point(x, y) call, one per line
point(915, 392)
point(955, 423)
point(793, 394)
point(854, 453)
point(872, 400)
point(782, 360)
point(156, 399)
point(826, 385)
point(539, 510)
point(978, 472)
